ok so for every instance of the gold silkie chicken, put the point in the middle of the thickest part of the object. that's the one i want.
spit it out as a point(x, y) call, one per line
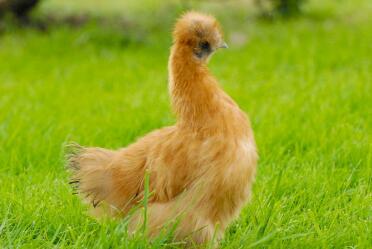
point(200, 170)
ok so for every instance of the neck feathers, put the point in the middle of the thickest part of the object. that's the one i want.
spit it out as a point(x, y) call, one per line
point(192, 88)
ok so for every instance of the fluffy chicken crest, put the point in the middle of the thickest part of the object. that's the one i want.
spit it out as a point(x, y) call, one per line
point(199, 32)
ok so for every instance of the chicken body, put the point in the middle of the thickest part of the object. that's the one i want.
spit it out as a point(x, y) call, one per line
point(201, 169)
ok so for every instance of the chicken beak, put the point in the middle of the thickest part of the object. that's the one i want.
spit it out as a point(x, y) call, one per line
point(223, 45)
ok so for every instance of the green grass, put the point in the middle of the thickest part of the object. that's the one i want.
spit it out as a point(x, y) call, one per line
point(306, 85)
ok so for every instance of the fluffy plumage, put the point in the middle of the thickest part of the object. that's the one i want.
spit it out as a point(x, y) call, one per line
point(200, 170)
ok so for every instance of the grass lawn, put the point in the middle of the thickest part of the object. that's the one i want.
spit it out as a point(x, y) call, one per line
point(306, 85)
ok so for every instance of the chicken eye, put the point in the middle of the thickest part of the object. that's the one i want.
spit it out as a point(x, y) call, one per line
point(205, 45)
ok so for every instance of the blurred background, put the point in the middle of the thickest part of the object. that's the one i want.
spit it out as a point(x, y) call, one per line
point(151, 15)
point(95, 72)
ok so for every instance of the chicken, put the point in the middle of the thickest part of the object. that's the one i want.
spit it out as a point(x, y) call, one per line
point(200, 170)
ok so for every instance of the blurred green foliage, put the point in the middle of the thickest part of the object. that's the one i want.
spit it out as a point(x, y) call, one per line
point(20, 8)
point(280, 8)
point(288, 7)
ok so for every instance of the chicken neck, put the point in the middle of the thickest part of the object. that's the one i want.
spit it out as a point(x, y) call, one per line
point(192, 88)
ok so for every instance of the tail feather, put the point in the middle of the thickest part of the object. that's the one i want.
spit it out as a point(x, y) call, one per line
point(72, 151)
point(90, 172)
